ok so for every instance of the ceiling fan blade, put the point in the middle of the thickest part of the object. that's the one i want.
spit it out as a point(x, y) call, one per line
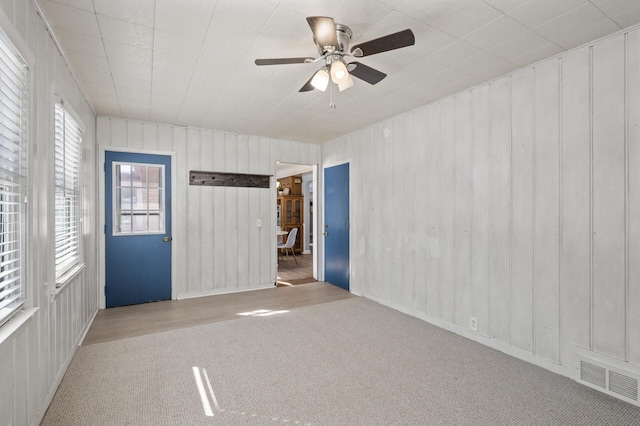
point(307, 86)
point(383, 44)
point(368, 74)
point(324, 30)
point(280, 61)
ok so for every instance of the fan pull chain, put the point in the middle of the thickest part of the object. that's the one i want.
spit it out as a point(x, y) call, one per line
point(331, 104)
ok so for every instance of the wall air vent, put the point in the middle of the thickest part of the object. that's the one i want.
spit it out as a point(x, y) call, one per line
point(611, 380)
point(593, 374)
point(623, 385)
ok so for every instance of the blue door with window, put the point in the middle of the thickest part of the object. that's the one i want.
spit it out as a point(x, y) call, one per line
point(336, 228)
point(137, 228)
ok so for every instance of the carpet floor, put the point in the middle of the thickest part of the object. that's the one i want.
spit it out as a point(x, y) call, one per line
point(349, 362)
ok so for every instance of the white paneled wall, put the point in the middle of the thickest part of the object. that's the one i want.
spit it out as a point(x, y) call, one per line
point(217, 247)
point(516, 202)
point(34, 356)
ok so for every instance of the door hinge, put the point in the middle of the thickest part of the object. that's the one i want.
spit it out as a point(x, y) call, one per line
point(105, 228)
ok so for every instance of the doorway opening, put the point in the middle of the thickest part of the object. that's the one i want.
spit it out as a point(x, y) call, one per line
point(296, 260)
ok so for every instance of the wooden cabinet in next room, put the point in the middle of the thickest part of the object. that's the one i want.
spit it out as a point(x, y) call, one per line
point(292, 216)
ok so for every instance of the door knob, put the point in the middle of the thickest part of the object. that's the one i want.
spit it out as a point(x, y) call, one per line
point(166, 239)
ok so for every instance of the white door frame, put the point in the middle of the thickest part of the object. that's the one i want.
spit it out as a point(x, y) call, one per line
point(101, 214)
point(317, 271)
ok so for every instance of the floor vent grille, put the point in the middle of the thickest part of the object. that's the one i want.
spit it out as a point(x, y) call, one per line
point(613, 382)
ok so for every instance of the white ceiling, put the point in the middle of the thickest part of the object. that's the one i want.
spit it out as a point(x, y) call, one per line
point(190, 62)
point(285, 169)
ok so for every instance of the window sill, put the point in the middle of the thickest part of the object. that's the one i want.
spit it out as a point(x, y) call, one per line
point(16, 323)
point(67, 278)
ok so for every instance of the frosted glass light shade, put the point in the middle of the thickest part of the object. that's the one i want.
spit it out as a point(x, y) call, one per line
point(320, 80)
point(346, 83)
point(338, 71)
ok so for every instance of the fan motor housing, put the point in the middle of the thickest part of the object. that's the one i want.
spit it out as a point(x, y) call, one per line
point(344, 37)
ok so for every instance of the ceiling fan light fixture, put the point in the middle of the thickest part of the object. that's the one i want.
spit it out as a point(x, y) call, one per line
point(320, 80)
point(339, 71)
point(346, 83)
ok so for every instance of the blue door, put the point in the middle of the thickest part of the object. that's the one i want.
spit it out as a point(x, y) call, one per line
point(336, 228)
point(137, 228)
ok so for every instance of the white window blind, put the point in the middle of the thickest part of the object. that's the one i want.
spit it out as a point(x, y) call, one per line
point(68, 162)
point(14, 115)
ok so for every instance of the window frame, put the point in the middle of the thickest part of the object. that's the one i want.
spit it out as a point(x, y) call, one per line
point(118, 210)
point(68, 175)
point(15, 122)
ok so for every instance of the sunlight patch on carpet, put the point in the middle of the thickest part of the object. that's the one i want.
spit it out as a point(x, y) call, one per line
point(261, 313)
point(204, 397)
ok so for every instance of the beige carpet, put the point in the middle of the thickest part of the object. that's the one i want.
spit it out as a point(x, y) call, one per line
point(351, 362)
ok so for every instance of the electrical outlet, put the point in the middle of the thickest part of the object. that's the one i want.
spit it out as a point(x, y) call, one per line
point(473, 323)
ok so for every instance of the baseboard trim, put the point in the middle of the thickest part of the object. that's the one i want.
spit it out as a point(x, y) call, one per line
point(86, 329)
point(223, 291)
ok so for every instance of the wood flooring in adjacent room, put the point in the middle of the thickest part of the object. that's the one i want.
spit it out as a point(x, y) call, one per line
point(137, 320)
point(290, 273)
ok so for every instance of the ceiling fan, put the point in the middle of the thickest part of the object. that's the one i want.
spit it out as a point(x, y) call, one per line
point(332, 40)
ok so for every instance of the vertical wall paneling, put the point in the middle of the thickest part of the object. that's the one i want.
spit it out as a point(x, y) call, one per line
point(406, 200)
point(398, 201)
point(194, 196)
point(359, 223)
point(378, 204)
point(365, 149)
point(480, 237)
point(52, 358)
point(179, 243)
point(547, 210)
point(447, 206)
point(245, 224)
point(38, 351)
point(21, 375)
point(500, 202)
point(151, 137)
point(609, 308)
point(433, 213)
point(633, 143)
point(387, 210)
point(206, 219)
point(420, 209)
point(372, 211)
point(522, 208)
point(371, 195)
point(576, 196)
point(45, 372)
point(164, 138)
point(462, 207)
point(135, 134)
point(255, 232)
point(267, 212)
point(119, 133)
point(231, 214)
point(7, 378)
point(219, 215)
